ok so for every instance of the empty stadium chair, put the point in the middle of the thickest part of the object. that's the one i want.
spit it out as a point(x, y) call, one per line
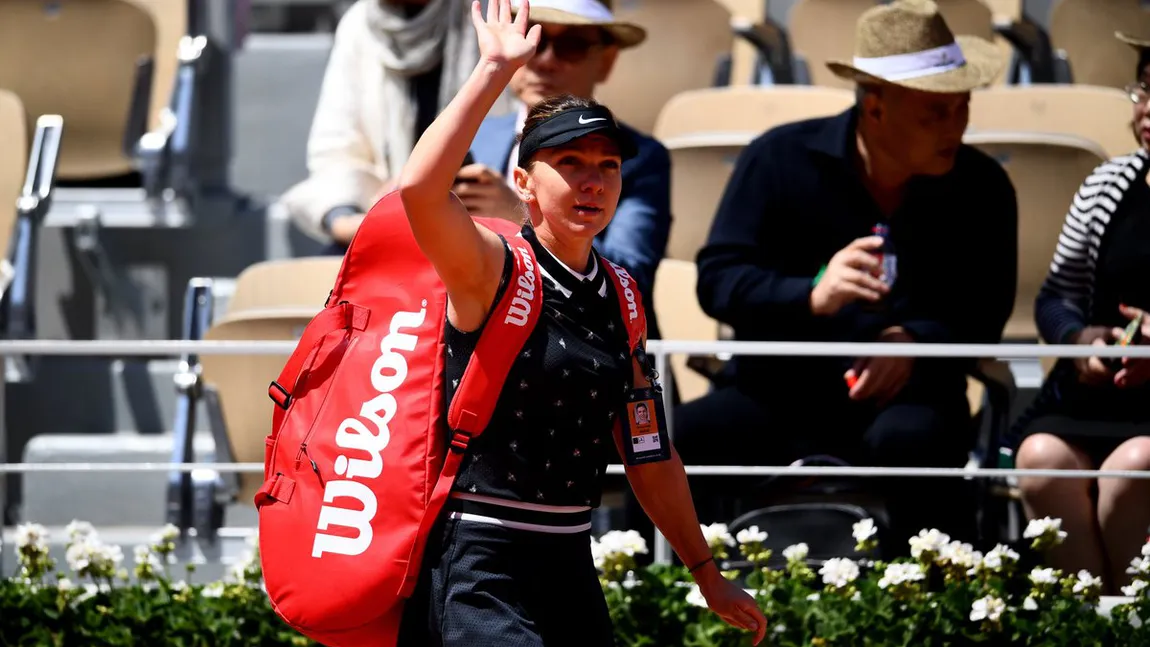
point(1100, 114)
point(822, 30)
point(1085, 30)
point(1046, 170)
point(761, 53)
point(273, 300)
point(13, 161)
point(85, 57)
point(675, 302)
point(685, 41)
point(705, 130)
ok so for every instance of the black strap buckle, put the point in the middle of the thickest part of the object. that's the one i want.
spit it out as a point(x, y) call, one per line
point(279, 395)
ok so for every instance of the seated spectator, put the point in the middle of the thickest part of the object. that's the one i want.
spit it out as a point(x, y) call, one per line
point(581, 41)
point(1094, 413)
point(394, 65)
point(791, 257)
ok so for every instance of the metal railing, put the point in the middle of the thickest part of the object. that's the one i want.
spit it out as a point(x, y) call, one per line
point(660, 349)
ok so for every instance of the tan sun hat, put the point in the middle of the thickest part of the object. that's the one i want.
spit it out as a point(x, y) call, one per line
point(585, 13)
point(908, 43)
point(1136, 43)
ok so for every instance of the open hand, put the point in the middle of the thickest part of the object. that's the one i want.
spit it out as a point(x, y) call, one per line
point(501, 40)
point(731, 603)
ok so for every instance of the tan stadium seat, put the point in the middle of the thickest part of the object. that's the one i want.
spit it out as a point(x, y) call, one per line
point(171, 21)
point(1085, 30)
point(705, 130)
point(242, 380)
point(744, 56)
point(273, 300)
point(1046, 170)
point(296, 283)
point(976, 18)
point(1099, 114)
point(13, 162)
point(822, 30)
point(684, 40)
point(676, 304)
point(77, 58)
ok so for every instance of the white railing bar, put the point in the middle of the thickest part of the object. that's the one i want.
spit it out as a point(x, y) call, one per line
point(872, 349)
point(174, 347)
point(693, 470)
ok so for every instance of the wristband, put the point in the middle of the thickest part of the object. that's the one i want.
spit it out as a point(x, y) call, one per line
point(819, 276)
point(700, 564)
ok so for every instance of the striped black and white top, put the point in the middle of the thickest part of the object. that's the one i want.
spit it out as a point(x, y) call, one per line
point(1067, 301)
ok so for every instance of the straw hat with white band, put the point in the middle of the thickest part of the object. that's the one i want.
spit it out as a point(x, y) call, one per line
point(908, 43)
point(1135, 42)
point(585, 13)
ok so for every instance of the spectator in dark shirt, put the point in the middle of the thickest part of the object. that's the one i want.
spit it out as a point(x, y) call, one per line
point(790, 257)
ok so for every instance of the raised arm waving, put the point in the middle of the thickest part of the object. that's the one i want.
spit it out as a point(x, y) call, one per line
point(468, 257)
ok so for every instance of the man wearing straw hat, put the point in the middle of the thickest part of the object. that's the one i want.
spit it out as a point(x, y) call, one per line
point(791, 257)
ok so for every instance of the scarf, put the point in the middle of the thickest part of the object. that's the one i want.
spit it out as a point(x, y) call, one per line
point(441, 33)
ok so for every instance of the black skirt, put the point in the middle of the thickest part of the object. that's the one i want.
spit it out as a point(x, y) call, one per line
point(485, 585)
point(1095, 419)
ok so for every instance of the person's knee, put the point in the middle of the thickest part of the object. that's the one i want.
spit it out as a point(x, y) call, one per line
point(1048, 452)
point(1132, 455)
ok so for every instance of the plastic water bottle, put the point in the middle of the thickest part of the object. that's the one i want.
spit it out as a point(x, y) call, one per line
point(887, 257)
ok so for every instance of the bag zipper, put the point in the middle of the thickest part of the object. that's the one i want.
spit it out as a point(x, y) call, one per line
point(303, 451)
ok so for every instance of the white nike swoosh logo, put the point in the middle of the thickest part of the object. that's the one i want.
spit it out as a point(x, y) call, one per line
point(587, 121)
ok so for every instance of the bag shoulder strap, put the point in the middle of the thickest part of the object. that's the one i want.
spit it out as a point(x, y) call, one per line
point(340, 316)
point(506, 330)
point(630, 303)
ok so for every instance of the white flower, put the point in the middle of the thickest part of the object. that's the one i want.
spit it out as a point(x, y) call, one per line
point(839, 572)
point(1139, 566)
point(928, 541)
point(31, 535)
point(1146, 549)
point(1041, 576)
point(168, 534)
point(1086, 584)
point(79, 531)
point(1134, 619)
point(89, 555)
point(145, 556)
point(989, 608)
point(814, 597)
point(717, 535)
point(620, 542)
point(1134, 589)
point(796, 553)
point(1000, 555)
point(1030, 604)
point(64, 585)
point(180, 587)
point(213, 590)
point(896, 574)
point(864, 530)
point(751, 535)
point(695, 597)
point(1045, 527)
point(960, 554)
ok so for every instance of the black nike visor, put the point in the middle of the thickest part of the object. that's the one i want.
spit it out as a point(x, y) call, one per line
point(569, 125)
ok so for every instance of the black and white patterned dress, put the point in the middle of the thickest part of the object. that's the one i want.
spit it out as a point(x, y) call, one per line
point(510, 563)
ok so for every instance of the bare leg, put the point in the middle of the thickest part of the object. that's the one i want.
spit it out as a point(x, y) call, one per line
point(1124, 508)
point(1062, 498)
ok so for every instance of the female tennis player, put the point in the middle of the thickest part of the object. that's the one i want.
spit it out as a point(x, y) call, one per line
point(510, 561)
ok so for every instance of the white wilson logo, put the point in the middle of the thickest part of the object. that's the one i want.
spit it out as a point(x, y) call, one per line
point(628, 293)
point(365, 460)
point(524, 293)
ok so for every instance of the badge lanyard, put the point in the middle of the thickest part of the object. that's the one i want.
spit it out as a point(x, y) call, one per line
point(645, 427)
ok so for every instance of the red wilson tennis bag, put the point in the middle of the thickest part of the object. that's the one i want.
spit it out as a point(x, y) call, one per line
point(358, 467)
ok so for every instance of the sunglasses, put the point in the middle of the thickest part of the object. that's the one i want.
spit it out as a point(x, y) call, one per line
point(568, 47)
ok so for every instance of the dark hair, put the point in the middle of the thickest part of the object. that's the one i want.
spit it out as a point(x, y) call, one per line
point(1143, 61)
point(550, 107)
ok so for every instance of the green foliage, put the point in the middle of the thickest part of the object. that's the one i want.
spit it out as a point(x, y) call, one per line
point(947, 594)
